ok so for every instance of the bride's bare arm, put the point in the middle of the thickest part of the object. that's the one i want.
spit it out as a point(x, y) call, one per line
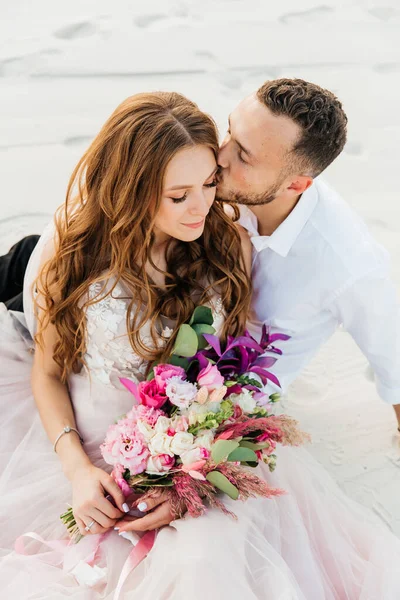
point(54, 404)
point(90, 485)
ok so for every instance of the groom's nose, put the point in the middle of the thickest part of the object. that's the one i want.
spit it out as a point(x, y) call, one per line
point(223, 155)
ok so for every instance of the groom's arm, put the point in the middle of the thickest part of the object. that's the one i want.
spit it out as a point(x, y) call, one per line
point(369, 310)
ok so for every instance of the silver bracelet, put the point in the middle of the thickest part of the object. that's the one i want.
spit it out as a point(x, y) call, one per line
point(66, 429)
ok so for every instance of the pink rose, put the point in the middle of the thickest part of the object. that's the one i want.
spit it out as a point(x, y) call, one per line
point(210, 378)
point(124, 445)
point(150, 395)
point(164, 372)
point(160, 463)
point(117, 475)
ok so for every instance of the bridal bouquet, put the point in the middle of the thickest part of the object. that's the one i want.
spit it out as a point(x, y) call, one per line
point(200, 422)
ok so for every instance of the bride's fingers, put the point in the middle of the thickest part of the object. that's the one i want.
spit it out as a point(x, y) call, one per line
point(81, 525)
point(151, 502)
point(92, 525)
point(101, 519)
point(108, 509)
point(160, 516)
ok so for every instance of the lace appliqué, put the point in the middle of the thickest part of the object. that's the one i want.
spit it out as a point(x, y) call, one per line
point(109, 354)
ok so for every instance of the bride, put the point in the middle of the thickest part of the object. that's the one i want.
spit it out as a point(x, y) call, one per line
point(138, 244)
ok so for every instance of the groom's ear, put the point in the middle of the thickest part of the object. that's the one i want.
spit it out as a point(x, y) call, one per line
point(300, 184)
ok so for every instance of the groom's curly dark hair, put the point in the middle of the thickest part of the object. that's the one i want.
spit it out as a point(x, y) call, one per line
point(317, 111)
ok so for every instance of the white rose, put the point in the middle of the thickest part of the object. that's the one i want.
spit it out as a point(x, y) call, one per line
point(181, 393)
point(146, 430)
point(245, 400)
point(204, 439)
point(155, 466)
point(191, 456)
point(162, 425)
point(161, 444)
point(181, 442)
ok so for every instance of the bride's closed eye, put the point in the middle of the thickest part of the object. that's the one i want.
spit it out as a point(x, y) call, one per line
point(183, 198)
point(212, 184)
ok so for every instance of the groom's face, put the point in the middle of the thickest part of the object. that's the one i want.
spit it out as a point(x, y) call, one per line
point(255, 156)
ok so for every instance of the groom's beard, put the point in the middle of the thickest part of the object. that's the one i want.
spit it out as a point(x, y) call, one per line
point(250, 199)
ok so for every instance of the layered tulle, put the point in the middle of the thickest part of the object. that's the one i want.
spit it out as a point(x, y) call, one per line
point(311, 544)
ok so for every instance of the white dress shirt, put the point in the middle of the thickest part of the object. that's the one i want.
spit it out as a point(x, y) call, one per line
point(321, 268)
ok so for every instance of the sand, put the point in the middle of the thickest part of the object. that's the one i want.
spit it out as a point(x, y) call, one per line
point(64, 68)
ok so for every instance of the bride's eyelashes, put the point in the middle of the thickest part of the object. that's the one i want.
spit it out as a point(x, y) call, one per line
point(183, 198)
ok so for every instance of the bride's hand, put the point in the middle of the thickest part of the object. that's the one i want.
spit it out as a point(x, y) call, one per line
point(159, 514)
point(90, 486)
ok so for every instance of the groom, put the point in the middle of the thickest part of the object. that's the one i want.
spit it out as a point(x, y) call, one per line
point(315, 265)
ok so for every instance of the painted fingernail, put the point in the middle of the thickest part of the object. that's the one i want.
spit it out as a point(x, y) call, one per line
point(142, 506)
point(125, 507)
point(116, 528)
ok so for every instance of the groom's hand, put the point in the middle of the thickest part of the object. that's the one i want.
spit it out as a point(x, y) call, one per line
point(159, 514)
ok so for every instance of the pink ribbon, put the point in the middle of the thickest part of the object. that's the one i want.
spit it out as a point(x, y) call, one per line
point(136, 555)
point(57, 545)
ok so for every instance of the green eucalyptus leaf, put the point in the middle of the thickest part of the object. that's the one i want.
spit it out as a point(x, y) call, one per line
point(243, 455)
point(221, 449)
point(200, 329)
point(254, 446)
point(202, 314)
point(179, 361)
point(186, 342)
point(219, 481)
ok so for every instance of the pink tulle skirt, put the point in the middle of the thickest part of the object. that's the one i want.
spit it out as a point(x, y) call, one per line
point(311, 544)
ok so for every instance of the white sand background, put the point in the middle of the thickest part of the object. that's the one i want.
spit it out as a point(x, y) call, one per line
point(65, 66)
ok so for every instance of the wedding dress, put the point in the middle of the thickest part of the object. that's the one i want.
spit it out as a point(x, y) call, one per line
point(313, 543)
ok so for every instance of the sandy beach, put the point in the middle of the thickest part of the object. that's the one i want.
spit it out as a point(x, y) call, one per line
point(65, 67)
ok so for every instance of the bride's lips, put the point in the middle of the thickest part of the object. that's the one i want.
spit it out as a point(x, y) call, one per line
point(194, 225)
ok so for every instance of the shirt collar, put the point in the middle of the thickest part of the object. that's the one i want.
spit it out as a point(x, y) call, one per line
point(283, 238)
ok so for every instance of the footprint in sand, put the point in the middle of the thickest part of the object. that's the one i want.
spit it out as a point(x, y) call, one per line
point(317, 11)
point(147, 20)
point(76, 30)
point(384, 13)
point(78, 140)
point(387, 67)
point(337, 455)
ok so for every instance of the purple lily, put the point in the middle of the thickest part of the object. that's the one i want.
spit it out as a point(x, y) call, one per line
point(243, 355)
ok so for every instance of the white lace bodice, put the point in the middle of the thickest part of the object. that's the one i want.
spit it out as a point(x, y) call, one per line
point(109, 354)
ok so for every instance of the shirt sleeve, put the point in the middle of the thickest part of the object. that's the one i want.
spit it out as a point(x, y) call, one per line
point(369, 310)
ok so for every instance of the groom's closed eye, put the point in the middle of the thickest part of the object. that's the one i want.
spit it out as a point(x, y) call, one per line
point(241, 151)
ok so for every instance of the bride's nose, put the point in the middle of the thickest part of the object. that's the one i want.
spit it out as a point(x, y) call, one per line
point(200, 205)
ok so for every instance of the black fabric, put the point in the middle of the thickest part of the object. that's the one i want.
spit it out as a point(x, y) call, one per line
point(12, 271)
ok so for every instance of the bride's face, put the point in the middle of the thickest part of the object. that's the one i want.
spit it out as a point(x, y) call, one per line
point(188, 193)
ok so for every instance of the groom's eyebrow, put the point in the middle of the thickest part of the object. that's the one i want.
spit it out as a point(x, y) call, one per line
point(180, 187)
point(243, 149)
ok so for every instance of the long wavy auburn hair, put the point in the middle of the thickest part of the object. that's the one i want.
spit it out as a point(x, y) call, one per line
point(105, 230)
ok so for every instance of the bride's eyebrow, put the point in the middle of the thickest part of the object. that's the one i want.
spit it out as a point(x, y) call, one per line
point(183, 186)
